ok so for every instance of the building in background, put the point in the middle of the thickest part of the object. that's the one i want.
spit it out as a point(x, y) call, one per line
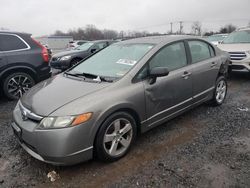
point(56, 43)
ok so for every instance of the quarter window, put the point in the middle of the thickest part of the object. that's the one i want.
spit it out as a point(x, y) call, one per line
point(11, 42)
point(172, 57)
point(199, 51)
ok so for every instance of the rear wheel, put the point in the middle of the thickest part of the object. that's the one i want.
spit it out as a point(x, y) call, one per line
point(115, 137)
point(220, 91)
point(16, 84)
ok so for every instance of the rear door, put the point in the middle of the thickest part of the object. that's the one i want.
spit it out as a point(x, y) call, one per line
point(3, 59)
point(204, 68)
point(171, 93)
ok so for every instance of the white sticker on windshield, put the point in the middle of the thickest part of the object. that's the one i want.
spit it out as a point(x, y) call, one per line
point(126, 62)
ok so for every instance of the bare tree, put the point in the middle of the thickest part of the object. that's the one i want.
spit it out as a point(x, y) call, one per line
point(109, 34)
point(59, 33)
point(229, 28)
point(196, 28)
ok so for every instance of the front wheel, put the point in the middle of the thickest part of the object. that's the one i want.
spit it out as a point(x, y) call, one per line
point(220, 91)
point(115, 137)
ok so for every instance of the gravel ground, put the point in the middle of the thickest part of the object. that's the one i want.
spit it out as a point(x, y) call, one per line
point(205, 147)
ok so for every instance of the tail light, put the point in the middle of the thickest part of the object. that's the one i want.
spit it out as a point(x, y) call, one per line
point(45, 53)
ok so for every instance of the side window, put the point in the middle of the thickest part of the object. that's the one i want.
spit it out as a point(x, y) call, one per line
point(172, 56)
point(199, 51)
point(11, 42)
point(212, 53)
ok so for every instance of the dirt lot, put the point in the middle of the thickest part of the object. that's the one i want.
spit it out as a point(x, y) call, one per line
point(206, 147)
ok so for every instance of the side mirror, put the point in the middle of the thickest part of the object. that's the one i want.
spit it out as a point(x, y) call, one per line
point(157, 72)
point(93, 50)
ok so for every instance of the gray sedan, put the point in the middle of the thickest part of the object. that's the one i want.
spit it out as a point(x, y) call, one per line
point(103, 103)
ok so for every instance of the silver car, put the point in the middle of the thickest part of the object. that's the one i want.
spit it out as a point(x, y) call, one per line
point(100, 105)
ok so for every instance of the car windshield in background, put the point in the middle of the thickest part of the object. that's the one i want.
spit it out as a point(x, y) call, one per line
point(113, 61)
point(216, 38)
point(85, 46)
point(238, 37)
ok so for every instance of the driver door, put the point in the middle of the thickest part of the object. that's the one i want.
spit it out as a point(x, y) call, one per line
point(169, 94)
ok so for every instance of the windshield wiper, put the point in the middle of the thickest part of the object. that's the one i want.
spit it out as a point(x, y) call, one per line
point(73, 74)
point(97, 78)
point(94, 77)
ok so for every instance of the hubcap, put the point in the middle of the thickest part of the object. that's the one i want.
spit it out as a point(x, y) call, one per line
point(118, 137)
point(18, 85)
point(221, 91)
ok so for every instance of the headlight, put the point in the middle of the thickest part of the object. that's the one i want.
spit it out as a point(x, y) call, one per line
point(66, 121)
point(248, 52)
point(64, 58)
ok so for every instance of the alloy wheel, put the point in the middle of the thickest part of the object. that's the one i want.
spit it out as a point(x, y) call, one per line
point(18, 85)
point(221, 91)
point(118, 137)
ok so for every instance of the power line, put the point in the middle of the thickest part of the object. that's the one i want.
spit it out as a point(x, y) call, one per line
point(191, 21)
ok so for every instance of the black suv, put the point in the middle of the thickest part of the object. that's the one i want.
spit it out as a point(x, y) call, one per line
point(23, 63)
point(66, 59)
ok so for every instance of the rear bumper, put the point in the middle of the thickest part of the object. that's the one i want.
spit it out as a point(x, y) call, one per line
point(44, 73)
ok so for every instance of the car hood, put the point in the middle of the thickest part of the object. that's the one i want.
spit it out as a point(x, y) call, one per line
point(69, 52)
point(242, 47)
point(50, 95)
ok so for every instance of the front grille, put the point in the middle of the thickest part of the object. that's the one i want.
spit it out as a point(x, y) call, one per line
point(237, 55)
point(27, 114)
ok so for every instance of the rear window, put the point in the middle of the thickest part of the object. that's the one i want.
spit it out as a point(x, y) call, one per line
point(11, 42)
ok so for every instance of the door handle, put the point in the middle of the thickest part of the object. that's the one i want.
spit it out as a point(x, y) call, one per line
point(186, 74)
point(213, 64)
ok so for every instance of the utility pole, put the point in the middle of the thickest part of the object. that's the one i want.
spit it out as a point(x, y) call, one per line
point(181, 27)
point(171, 26)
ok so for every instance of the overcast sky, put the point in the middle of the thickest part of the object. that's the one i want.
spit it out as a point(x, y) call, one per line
point(43, 17)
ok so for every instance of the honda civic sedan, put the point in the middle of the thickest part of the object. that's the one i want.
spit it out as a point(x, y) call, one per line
point(98, 107)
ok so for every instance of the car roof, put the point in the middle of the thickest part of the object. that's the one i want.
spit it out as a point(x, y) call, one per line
point(159, 39)
point(244, 29)
point(14, 32)
point(220, 34)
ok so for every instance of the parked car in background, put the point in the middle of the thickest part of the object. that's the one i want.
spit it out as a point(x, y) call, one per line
point(23, 63)
point(216, 38)
point(66, 59)
point(237, 44)
point(129, 87)
point(74, 44)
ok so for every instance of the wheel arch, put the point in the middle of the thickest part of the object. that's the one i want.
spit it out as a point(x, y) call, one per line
point(14, 69)
point(223, 70)
point(123, 108)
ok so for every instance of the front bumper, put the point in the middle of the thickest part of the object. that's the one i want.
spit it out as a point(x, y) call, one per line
point(243, 64)
point(64, 146)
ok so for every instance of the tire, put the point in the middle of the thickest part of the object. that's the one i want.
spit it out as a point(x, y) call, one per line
point(118, 140)
point(16, 84)
point(220, 91)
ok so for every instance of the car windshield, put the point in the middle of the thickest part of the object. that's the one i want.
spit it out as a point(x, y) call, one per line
point(238, 37)
point(216, 38)
point(85, 46)
point(114, 61)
